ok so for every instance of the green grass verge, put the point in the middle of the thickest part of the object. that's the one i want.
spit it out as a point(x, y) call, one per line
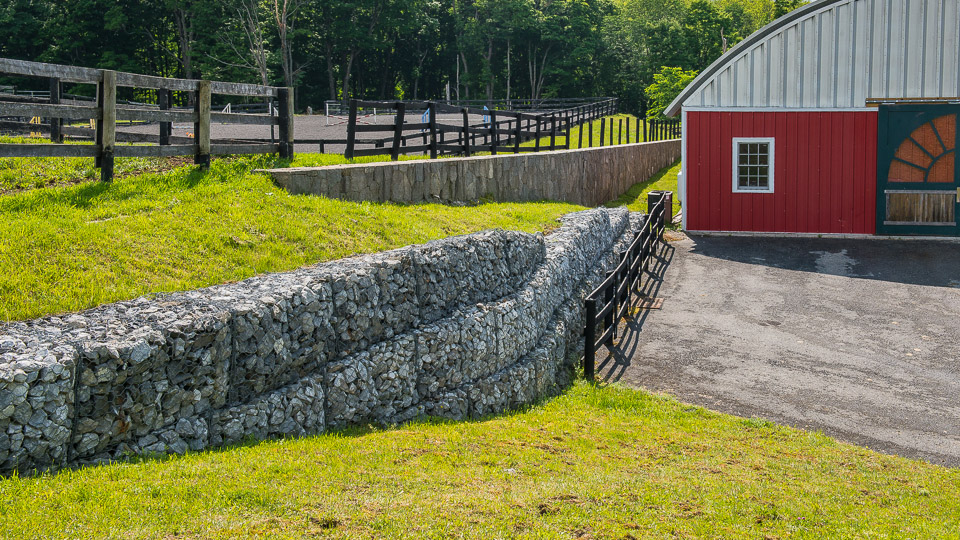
point(593, 463)
point(636, 197)
point(70, 248)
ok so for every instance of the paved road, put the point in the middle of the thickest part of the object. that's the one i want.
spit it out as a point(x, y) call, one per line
point(857, 338)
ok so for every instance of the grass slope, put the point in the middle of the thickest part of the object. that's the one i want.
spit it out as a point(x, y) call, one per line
point(69, 248)
point(593, 463)
point(636, 197)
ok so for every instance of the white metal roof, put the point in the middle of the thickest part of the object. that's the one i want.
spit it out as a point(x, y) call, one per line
point(838, 54)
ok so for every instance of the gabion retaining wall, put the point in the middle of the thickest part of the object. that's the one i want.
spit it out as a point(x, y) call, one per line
point(455, 328)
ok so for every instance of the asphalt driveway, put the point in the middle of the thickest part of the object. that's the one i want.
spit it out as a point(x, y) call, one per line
point(857, 338)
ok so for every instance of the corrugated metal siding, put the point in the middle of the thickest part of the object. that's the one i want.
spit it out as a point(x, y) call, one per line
point(844, 54)
point(825, 172)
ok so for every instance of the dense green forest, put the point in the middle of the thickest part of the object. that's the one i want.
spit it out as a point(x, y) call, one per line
point(392, 49)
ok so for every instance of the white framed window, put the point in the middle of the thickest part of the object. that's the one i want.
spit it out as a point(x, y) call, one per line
point(753, 159)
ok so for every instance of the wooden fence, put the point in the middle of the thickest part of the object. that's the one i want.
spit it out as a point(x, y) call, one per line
point(107, 111)
point(499, 132)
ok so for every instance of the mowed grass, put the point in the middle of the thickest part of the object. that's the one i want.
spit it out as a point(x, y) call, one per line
point(17, 174)
point(593, 463)
point(621, 133)
point(636, 197)
point(65, 249)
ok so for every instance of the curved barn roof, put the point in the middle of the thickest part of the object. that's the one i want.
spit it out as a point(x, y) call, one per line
point(838, 54)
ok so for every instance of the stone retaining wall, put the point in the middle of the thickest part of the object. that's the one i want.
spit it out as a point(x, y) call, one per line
point(589, 177)
point(459, 327)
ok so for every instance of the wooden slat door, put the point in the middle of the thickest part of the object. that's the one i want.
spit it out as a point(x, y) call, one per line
point(918, 175)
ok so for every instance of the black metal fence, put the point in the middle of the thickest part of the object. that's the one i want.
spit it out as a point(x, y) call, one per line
point(616, 291)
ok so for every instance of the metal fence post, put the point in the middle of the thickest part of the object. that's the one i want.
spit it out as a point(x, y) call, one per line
point(590, 340)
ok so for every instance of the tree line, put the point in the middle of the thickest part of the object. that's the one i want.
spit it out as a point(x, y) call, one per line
point(392, 49)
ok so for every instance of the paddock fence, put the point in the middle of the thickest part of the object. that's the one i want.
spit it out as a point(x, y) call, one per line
point(611, 300)
point(441, 128)
point(53, 113)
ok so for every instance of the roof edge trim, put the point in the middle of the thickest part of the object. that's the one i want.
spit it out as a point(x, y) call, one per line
point(806, 11)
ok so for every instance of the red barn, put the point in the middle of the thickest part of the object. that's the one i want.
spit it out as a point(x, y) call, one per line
point(838, 118)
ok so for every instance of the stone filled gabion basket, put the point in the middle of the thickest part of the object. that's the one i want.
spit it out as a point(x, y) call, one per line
point(455, 328)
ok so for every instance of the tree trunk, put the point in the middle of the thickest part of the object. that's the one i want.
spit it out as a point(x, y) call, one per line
point(508, 73)
point(347, 72)
point(331, 77)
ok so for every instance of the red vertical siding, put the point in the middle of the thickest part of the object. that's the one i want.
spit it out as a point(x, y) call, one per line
point(825, 167)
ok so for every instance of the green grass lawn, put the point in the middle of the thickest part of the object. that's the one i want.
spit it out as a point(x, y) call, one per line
point(621, 134)
point(594, 463)
point(636, 197)
point(69, 248)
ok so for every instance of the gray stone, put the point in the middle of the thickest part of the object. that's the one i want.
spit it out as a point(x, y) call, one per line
point(460, 327)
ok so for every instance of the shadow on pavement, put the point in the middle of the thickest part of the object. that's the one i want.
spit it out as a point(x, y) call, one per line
point(612, 361)
point(915, 262)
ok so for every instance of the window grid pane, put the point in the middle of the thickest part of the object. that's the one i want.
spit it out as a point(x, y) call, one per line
point(753, 171)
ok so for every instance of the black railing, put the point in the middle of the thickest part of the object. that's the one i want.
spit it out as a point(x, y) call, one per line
point(616, 291)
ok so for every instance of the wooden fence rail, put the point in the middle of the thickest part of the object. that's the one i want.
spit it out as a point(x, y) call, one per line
point(500, 132)
point(108, 111)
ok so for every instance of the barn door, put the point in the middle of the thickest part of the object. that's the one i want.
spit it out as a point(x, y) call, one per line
point(919, 178)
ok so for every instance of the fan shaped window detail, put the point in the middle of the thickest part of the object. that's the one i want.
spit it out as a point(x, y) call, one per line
point(928, 154)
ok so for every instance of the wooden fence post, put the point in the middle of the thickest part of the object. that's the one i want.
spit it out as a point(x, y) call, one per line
point(56, 131)
point(603, 128)
point(397, 129)
point(494, 135)
point(285, 99)
point(518, 135)
point(163, 103)
point(537, 143)
point(432, 111)
point(106, 135)
point(466, 132)
point(620, 131)
point(590, 339)
point(611, 131)
point(201, 132)
point(352, 130)
point(553, 131)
